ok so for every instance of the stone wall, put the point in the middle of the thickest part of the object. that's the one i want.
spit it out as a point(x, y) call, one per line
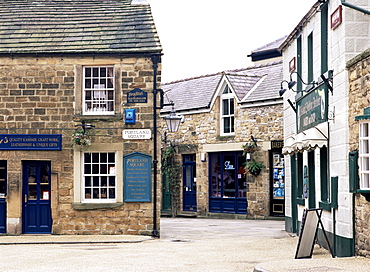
point(43, 96)
point(265, 123)
point(359, 98)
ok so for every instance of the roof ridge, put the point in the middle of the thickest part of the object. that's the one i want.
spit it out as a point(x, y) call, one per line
point(192, 78)
point(226, 72)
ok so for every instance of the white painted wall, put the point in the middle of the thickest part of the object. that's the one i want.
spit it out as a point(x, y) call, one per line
point(346, 41)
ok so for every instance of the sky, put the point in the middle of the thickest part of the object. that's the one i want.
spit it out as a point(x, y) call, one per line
point(201, 37)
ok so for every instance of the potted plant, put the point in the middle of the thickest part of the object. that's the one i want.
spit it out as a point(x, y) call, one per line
point(80, 138)
point(254, 167)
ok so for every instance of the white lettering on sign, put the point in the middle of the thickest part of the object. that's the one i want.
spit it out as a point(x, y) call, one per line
point(136, 134)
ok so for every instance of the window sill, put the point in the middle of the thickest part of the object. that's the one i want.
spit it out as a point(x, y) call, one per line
point(95, 206)
point(91, 118)
point(326, 206)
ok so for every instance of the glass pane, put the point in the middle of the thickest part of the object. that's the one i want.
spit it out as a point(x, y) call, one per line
point(87, 83)
point(365, 146)
point(225, 107)
point(216, 175)
point(32, 191)
point(231, 124)
point(229, 176)
point(112, 193)
point(88, 193)
point(95, 72)
point(227, 125)
point(103, 72)
point(87, 72)
point(95, 168)
point(111, 157)
point(103, 169)
point(95, 157)
point(87, 169)
point(103, 157)
point(365, 130)
point(364, 181)
point(365, 164)
point(96, 181)
point(112, 181)
point(110, 83)
point(87, 157)
point(103, 193)
point(103, 83)
point(103, 181)
point(231, 106)
point(88, 181)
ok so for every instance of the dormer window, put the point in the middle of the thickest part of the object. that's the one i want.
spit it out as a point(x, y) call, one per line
point(227, 112)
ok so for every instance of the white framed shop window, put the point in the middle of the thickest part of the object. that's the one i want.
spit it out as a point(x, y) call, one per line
point(98, 90)
point(364, 155)
point(99, 177)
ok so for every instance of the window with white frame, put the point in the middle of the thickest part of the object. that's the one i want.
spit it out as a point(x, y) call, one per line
point(98, 90)
point(227, 112)
point(99, 177)
point(364, 156)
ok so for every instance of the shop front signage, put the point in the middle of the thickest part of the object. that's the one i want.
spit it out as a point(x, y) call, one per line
point(137, 177)
point(137, 96)
point(30, 142)
point(312, 109)
point(136, 134)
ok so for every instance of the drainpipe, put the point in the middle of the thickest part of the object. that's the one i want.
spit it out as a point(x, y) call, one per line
point(355, 7)
point(155, 61)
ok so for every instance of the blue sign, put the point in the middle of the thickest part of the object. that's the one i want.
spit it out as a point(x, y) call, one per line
point(137, 177)
point(30, 142)
point(137, 96)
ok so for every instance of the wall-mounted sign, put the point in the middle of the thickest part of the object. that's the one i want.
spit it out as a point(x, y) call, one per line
point(336, 18)
point(136, 134)
point(137, 177)
point(30, 142)
point(312, 109)
point(137, 96)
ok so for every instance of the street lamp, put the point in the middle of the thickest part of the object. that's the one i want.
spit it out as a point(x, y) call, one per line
point(173, 120)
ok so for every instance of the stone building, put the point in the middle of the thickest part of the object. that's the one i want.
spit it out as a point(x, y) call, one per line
point(358, 119)
point(318, 144)
point(75, 78)
point(221, 113)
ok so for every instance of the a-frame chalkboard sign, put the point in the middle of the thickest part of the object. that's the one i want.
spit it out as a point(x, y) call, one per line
point(310, 222)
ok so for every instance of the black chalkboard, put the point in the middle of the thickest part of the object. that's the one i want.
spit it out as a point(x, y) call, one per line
point(310, 222)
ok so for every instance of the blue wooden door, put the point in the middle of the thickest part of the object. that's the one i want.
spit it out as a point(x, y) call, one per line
point(36, 216)
point(2, 196)
point(189, 180)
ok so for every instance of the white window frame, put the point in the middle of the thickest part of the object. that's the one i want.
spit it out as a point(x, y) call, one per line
point(364, 155)
point(111, 173)
point(102, 97)
point(229, 96)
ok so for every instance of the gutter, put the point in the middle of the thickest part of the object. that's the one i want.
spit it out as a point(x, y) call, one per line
point(355, 7)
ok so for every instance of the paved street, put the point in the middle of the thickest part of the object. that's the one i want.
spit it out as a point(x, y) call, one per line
point(185, 245)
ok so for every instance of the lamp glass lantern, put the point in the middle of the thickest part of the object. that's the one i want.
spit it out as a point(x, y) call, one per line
point(173, 121)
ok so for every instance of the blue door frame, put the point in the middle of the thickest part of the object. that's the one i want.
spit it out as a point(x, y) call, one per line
point(3, 185)
point(190, 186)
point(36, 214)
point(227, 183)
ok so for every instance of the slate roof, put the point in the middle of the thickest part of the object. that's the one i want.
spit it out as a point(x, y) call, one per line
point(270, 46)
point(76, 26)
point(254, 84)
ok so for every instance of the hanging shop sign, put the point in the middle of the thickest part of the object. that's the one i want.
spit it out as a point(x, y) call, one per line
point(137, 177)
point(137, 96)
point(30, 142)
point(312, 109)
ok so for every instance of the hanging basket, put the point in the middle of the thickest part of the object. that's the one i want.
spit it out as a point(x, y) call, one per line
point(249, 148)
point(81, 139)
